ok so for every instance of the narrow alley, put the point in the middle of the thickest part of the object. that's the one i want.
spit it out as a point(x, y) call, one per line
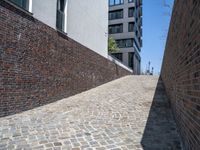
point(122, 114)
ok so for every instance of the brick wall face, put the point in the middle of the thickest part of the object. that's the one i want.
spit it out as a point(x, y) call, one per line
point(38, 65)
point(181, 70)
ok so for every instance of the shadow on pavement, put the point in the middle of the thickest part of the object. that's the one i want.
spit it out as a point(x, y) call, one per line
point(160, 132)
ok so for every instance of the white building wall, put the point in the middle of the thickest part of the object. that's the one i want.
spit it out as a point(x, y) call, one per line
point(86, 21)
point(45, 11)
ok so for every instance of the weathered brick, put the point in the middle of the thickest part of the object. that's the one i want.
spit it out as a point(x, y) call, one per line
point(181, 70)
point(39, 65)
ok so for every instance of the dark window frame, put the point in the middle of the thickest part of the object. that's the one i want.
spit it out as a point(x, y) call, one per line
point(121, 2)
point(115, 28)
point(131, 59)
point(60, 19)
point(125, 43)
point(23, 4)
point(116, 14)
point(131, 14)
point(131, 26)
point(130, 1)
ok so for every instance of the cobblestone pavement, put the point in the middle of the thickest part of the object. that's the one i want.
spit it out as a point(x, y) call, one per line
point(117, 115)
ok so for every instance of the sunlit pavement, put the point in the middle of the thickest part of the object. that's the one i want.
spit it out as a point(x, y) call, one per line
point(128, 113)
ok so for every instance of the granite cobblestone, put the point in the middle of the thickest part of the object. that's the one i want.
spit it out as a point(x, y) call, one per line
point(112, 116)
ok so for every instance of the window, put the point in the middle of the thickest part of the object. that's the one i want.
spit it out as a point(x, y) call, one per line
point(131, 26)
point(118, 56)
point(130, 1)
point(136, 33)
point(140, 41)
point(137, 19)
point(61, 5)
point(137, 46)
point(136, 3)
point(131, 12)
point(131, 60)
point(21, 3)
point(60, 21)
point(117, 14)
point(125, 43)
point(111, 2)
point(129, 43)
point(115, 2)
point(117, 28)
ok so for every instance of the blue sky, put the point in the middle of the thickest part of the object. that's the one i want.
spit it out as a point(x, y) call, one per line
point(156, 20)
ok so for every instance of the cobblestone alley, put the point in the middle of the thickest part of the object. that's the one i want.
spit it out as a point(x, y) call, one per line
point(123, 114)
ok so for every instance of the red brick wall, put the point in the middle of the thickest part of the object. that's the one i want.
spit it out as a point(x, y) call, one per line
point(181, 70)
point(38, 65)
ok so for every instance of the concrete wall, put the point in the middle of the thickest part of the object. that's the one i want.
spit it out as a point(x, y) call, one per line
point(86, 22)
point(181, 70)
point(39, 65)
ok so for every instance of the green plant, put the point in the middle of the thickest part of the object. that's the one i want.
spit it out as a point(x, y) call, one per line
point(112, 45)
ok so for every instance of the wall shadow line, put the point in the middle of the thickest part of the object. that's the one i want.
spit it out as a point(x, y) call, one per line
point(160, 132)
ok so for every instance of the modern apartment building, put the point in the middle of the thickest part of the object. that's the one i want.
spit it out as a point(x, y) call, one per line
point(74, 18)
point(125, 26)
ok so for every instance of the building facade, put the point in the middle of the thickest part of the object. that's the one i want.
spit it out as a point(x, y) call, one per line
point(125, 26)
point(74, 18)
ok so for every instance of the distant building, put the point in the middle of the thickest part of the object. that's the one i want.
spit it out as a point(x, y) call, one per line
point(148, 71)
point(86, 22)
point(125, 26)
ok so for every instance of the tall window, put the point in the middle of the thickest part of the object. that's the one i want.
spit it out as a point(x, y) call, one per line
point(140, 41)
point(60, 22)
point(131, 12)
point(131, 26)
point(131, 60)
point(21, 3)
point(115, 2)
point(116, 14)
point(117, 28)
